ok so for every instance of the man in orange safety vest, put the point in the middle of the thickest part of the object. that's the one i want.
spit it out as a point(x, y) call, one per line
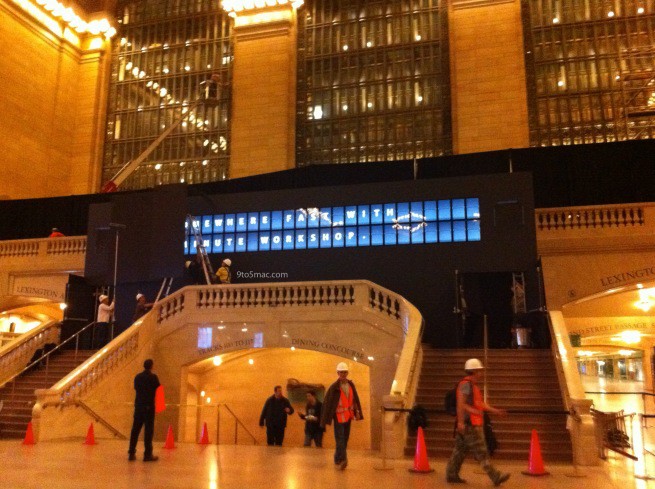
point(342, 405)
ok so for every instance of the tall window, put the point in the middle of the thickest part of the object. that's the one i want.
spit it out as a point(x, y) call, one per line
point(591, 70)
point(163, 55)
point(373, 81)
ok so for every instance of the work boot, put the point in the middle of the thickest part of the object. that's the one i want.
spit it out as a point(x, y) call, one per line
point(131, 457)
point(150, 458)
point(455, 480)
point(343, 464)
point(501, 478)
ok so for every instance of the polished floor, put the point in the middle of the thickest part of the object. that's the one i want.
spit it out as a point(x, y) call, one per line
point(73, 465)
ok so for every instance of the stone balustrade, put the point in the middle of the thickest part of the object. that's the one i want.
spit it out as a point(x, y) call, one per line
point(42, 248)
point(596, 217)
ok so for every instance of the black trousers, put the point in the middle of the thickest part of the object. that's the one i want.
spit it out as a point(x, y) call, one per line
point(143, 416)
point(274, 435)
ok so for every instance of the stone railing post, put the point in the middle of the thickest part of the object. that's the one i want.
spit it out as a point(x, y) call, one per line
point(583, 433)
point(394, 426)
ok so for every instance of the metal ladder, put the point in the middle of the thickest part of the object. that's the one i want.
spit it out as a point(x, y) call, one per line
point(200, 248)
point(518, 288)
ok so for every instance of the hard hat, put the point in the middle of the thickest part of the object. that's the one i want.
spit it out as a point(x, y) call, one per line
point(102, 297)
point(342, 367)
point(473, 364)
point(228, 262)
point(138, 296)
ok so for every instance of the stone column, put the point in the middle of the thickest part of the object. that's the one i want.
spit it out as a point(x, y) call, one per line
point(264, 91)
point(488, 83)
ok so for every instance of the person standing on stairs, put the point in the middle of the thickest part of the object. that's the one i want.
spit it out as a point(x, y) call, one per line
point(469, 434)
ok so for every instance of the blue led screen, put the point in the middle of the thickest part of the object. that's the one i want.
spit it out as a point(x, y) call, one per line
point(401, 223)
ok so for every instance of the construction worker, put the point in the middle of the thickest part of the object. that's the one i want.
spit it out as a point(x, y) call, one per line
point(342, 405)
point(469, 435)
point(223, 274)
point(105, 315)
point(141, 307)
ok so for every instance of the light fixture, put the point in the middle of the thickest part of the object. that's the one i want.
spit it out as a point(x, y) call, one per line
point(293, 348)
point(369, 44)
point(629, 337)
point(560, 83)
point(318, 112)
point(208, 400)
point(244, 330)
point(626, 353)
point(345, 47)
point(63, 306)
point(418, 37)
point(158, 166)
point(555, 20)
point(251, 361)
point(371, 358)
point(202, 393)
point(217, 360)
point(610, 14)
point(640, 10)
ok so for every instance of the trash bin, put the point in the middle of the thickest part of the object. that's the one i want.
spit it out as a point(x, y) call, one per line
point(522, 337)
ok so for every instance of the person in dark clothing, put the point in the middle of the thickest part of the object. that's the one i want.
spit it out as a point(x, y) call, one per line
point(313, 430)
point(141, 307)
point(145, 385)
point(275, 412)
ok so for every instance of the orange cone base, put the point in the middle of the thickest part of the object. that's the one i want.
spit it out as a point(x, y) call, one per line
point(170, 439)
point(29, 435)
point(204, 437)
point(527, 472)
point(421, 464)
point(90, 436)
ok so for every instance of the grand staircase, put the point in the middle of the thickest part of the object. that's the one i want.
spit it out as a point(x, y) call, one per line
point(524, 380)
point(19, 400)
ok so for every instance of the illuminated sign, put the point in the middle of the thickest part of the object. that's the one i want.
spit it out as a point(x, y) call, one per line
point(401, 223)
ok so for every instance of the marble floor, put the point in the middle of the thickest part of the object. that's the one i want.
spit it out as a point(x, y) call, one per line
point(71, 464)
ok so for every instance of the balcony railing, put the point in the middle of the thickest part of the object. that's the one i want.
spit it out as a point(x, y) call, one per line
point(45, 247)
point(618, 216)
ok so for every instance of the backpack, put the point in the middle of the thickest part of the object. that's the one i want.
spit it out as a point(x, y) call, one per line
point(418, 417)
point(450, 400)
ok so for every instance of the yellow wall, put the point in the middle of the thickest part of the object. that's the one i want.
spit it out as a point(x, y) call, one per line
point(245, 388)
point(489, 97)
point(53, 111)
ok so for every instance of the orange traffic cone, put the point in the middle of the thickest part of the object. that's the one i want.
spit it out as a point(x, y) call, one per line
point(204, 437)
point(170, 439)
point(536, 463)
point(421, 464)
point(29, 435)
point(90, 437)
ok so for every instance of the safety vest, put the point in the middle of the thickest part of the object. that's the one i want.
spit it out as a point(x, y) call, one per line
point(478, 403)
point(344, 409)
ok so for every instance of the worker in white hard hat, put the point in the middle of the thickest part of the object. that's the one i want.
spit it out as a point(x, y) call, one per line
point(341, 405)
point(105, 315)
point(469, 436)
point(223, 274)
point(142, 307)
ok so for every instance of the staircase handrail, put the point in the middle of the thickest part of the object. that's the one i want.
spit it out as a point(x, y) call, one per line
point(46, 356)
point(239, 422)
point(98, 419)
point(25, 346)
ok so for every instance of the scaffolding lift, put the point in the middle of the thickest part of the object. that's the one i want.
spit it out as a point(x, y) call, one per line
point(637, 81)
point(209, 96)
